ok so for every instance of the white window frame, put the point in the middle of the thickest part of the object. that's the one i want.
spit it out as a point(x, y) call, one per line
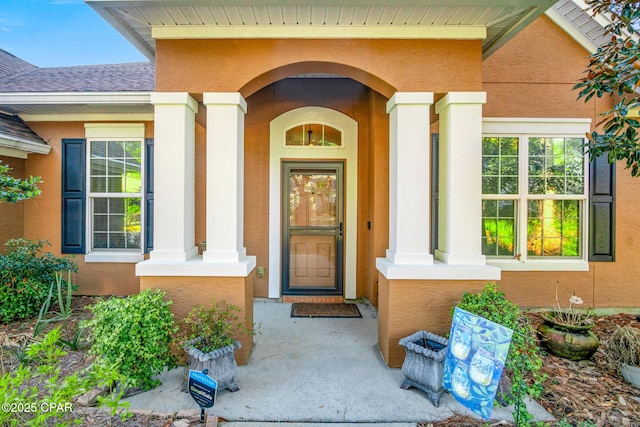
point(313, 147)
point(114, 132)
point(523, 129)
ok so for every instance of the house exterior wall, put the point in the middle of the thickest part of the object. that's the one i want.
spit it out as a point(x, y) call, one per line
point(43, 215)
point(12, 214)
point(387, 66)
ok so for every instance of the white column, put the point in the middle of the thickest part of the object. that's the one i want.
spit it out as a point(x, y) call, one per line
point(460, 201)
point(409, 178)
point(225, 177)
point(174, 176)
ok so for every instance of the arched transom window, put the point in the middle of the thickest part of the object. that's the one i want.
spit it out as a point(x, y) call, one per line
point(313, 135)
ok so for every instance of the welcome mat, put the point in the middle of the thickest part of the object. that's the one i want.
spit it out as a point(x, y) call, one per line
point(312, 309)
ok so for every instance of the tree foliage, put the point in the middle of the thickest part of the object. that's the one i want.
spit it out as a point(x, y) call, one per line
point(14, 190)
point(614, 69)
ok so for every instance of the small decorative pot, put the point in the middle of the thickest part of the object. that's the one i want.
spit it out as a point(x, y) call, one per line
point(221, 364)
point(631, 374)
point(575, 342)
point(423, 365)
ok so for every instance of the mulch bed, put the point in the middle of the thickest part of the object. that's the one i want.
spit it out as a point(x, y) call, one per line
point(588, 392)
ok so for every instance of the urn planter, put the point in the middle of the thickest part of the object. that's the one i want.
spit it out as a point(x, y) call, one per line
point(221, 364)
point(423, 365)
point(631, 374)
point(575, 342)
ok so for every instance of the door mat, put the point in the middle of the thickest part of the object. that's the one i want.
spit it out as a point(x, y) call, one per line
point(307, 309)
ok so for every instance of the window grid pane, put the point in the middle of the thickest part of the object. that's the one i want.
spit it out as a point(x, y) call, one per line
point(556, 166)
point(116, 223)
point(500, 165)
point(313, 134)
point(553, 228)
point(115, 167)
point(499, 227)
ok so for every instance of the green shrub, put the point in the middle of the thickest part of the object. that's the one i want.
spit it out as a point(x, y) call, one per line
point(135, 333)
point(26, 275)
point(37, 397)
point(524, 360)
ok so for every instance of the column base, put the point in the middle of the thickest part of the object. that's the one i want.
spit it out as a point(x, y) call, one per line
point(436, 271)
point(457, 259)
point(173, 256)
point(409, 258)
point(224, 256)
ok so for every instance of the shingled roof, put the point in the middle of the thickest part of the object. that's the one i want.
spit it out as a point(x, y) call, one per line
point(130, 77)
point(10, 64)
point(15, 134)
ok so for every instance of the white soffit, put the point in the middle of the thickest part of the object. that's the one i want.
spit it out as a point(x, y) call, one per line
point(493, 21)
point(575, 18)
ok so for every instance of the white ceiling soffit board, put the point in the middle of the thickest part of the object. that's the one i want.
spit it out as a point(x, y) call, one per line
point(575, 18)
point(493, 21)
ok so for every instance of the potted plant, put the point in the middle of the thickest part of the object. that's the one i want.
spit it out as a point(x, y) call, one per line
point(423, 365)
point(566, 331)
point(211, 343)
point(623, 349)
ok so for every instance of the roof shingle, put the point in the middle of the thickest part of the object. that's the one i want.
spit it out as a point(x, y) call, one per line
point(10, 64)
point(130, 77)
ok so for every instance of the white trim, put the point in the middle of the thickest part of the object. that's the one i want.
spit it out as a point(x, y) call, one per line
point(458, 32)
point(556, 126)
point(196, 267)
point(524, 129)
point(437, 271)
point(561, 21)
point(118, 257)
point(12, 152)
point(114, 131)
point(348, 152)
point(87, 117)
point(540, 265)
point(22, 145)
point(65, 98)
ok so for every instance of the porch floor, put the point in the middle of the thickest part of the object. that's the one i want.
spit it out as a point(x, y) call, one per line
point(322, 370)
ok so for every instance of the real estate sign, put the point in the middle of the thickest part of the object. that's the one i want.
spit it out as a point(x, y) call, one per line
point(477, 352)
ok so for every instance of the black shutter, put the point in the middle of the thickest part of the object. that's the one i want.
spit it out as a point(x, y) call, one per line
point(148, 197)
point(73, 196)
point(602, 199)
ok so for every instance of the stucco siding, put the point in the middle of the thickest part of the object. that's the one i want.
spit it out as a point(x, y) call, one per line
point(12, 214)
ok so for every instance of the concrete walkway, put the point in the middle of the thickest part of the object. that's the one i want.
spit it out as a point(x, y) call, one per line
point(315, 371)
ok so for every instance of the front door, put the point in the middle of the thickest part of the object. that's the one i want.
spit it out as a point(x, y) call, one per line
point(313, 228)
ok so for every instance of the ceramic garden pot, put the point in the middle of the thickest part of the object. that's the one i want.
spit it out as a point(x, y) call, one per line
point(575, 342)
point(221, 364)
point(631, 374)
point(423, 365)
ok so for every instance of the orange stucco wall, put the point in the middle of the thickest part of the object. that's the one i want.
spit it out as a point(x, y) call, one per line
point(185, 292)
point(385, 65)
point(43, 214)
point(12, 214)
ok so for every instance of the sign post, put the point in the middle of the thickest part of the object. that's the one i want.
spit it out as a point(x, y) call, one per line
point(202, 389)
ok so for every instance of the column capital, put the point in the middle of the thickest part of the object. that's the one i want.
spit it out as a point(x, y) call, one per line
point(409, 98)
point(225, 98)
point(461, 98)
point(174, 98)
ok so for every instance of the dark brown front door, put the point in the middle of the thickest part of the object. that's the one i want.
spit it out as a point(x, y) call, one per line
point(312, 228)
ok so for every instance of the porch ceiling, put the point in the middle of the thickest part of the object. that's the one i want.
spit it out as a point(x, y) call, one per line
point(142, 21)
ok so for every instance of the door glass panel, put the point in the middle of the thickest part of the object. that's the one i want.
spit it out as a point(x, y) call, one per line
point(312, 199)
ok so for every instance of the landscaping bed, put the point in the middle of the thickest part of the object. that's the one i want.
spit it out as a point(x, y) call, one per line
point(585, 393)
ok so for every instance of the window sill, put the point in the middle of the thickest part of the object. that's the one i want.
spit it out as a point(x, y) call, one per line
point(115, 257)
point(540, 265)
